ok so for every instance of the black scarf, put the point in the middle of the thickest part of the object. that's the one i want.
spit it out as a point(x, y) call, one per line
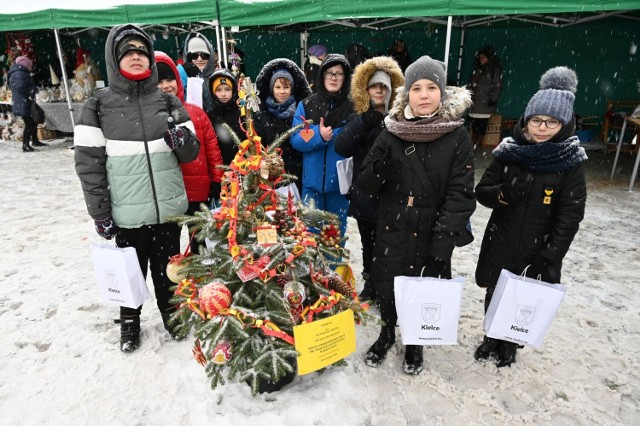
point(558, 154)
point(285, 110)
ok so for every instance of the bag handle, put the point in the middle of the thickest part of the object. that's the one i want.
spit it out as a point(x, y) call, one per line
point(524, 273)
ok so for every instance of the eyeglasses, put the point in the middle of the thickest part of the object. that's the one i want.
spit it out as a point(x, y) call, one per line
point(332, 75)
point(204, 56)
point(551, 123)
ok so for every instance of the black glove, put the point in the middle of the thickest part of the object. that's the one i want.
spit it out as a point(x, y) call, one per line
point(545, 268)
point(435, 267)
point(372, 117)
point(516, 188)
point(106, 227)
point(386, 167)
point(491, 104)
point(175, 137)
point(214, 191)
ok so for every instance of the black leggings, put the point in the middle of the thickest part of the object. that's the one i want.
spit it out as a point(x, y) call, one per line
point(30, 134)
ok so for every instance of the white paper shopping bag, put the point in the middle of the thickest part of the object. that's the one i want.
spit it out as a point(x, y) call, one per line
point(428, 309)
point(345, 174)
point(119, 276)
point(194, 91)
point(522, 309)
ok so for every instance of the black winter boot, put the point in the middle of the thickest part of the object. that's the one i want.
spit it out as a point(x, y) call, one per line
point(378, 351)
point(413, 359)
point(487, 349)
point(369, 291)
point(506, 354)
point(172, 326)
point(38, 143)
point(26, 147)
point(129, 332)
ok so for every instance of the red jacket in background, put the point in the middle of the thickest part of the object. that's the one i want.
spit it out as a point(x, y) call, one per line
point(199, 173)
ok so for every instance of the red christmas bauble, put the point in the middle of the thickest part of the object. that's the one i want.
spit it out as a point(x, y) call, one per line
point(214, 298)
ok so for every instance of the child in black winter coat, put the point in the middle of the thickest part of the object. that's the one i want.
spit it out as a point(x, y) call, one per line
point(223, 88)
point(281, 86)
point(421, 166)
point(373, 91)
point(537, 189)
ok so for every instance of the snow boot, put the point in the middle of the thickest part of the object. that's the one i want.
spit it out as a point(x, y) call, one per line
point(38, 143)
point(171, 326)
point(506, 354)
point(378, 351)
point(368, 293)
point(26, 147)
point(487, 349)
point(129, 332)
point(413, 360)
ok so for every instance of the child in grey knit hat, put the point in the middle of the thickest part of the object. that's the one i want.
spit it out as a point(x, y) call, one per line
point(536, 187)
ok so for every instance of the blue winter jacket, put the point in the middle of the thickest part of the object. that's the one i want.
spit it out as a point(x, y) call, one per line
point(23, 90)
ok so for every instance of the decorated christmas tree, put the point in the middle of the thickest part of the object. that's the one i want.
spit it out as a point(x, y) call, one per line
point(264, 271)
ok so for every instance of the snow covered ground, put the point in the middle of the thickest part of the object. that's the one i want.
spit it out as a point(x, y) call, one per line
point(61, 363)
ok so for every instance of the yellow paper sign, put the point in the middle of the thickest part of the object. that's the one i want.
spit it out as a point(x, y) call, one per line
point(324, 342)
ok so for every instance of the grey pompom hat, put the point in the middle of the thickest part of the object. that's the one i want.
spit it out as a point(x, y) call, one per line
point(556, 95)
point(426, 68)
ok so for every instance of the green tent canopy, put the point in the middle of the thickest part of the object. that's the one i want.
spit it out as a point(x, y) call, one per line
point(47, 14)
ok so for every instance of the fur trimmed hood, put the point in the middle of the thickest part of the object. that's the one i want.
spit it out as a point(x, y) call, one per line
point(454, 104)
point(362, 74)
point(301, 88)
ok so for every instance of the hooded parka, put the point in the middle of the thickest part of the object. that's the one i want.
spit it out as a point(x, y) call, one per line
point(225, 113)
point(126, 169)
point(319, 163)
point(199, 173)
point(358, 137)
point(268, 125)
point(419, 219)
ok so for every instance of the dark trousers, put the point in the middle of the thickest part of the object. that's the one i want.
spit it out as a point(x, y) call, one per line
point(367, 238)
point(479, 126)
point(30, 134)
point(154, 245)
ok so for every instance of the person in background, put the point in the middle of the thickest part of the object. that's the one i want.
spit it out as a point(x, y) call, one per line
point(126, 156)
point(537, 191)
point(201, 176)
point(222, 88)
point(329, 110)
point(422, 168)
point(398, 51)
point(23, 93)
point(373, 91)
point(317, 54)
point(281, 85)
point(197, 51)
point(485, 85)
point(356, 54)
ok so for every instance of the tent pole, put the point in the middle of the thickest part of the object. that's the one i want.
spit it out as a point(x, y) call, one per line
point(448, 43)
point(219, 64)
point(224, 48)
point(64, 75)
point(303, 48)
point(460, 53)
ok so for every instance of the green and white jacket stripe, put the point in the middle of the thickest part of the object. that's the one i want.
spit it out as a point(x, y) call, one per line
point(125, 167)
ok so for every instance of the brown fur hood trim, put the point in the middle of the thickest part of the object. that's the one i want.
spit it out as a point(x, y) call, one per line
point(454, 105)
point(362, 75)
